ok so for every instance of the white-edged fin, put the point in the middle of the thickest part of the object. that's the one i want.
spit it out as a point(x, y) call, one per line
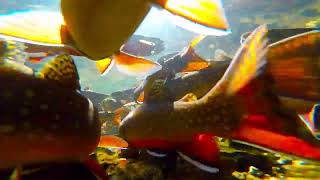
point(156, 154)
point(312, 120)
point(201, 16)
point(199, 165)
point(63, 70)
point(248, 61)
point(134, 65)
point(16, 174)
point(37, 26)
point(104, 65)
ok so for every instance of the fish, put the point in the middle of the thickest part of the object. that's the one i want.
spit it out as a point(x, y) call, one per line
point(32, 116)
point(228, 110)
point(45, 110)
point(201, 81)
point(276, 35)
point(128, 64)
point(108, 14)
point(95, 98)
point(186, 60)
point(301, 53)
point(139, 45)
point(90, 33)
point(112, 141)
point(198, 82)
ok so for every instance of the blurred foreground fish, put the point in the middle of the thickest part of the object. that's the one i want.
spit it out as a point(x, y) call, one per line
point(33, 114)
point(44, 118)
point(241, 106)
point(100, 34)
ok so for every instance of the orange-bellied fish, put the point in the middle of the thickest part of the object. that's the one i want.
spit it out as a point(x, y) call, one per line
point(290, 71)
point(99, 28)
point(240, 106)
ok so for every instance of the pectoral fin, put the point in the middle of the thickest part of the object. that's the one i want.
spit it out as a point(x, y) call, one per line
point(135, 66)
point(112, 141)
point(209, 13)
point(36, 26)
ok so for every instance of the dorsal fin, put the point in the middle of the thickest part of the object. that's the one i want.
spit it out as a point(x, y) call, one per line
point(248, 61)
point(63, 70)
point(194, 62)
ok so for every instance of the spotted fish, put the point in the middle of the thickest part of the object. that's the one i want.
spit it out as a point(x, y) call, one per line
point(43, 117)
point(240, 106)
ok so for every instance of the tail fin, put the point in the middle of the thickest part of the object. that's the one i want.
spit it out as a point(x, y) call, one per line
point(294, 64)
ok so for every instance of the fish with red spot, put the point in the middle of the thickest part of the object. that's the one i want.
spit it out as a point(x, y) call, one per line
point(240, 106)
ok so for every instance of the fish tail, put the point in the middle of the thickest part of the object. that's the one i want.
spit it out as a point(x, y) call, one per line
point(294, 64)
